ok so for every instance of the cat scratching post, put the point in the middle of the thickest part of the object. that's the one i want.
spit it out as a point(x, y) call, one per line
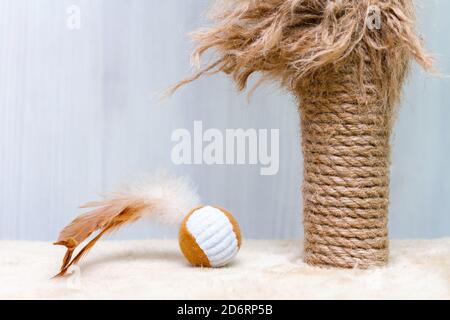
point(345, 61)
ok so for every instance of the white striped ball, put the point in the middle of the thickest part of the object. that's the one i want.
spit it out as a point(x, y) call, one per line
point(209, 237)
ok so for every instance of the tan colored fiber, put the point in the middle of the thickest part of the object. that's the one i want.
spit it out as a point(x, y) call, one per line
point(347, 77)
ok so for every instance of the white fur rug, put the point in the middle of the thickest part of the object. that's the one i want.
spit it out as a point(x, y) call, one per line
point(155, 269)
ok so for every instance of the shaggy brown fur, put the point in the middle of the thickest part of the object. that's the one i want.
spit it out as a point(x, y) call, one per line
point(294, 40)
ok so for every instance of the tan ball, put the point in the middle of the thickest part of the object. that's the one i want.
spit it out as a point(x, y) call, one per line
point(209, 237)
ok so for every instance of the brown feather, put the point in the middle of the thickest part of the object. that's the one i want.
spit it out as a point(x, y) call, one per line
point(109, 216)
point(82, 253)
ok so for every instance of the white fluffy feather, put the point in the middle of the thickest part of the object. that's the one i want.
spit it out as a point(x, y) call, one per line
point(169, 198)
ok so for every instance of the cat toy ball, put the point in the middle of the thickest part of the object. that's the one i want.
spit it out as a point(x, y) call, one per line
point(209, 237)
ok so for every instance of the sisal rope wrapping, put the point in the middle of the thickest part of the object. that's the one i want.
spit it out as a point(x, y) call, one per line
point(348, 79)
point(345, 142)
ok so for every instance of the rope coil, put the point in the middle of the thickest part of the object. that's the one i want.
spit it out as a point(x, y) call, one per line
point(346, 174)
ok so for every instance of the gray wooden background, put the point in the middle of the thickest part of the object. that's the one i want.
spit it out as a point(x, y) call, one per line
point(80, 114)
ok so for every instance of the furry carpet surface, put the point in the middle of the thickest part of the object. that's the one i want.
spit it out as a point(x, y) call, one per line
point(155, 269)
